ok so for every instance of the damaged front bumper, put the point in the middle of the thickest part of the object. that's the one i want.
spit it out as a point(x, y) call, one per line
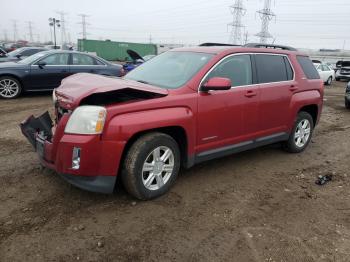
point(95, 172)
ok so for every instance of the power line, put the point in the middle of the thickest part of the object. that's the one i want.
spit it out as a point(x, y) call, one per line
point(237, 10)
point(266, 16)
point(15, 32)
point(84, 24)
point(63, 26)
point(30, 29)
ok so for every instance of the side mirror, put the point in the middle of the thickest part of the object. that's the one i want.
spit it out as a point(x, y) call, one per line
point(217, 83)
point(19, 56)
point(41, 64)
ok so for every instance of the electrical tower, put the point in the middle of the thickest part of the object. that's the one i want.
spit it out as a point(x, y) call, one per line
point(15, 32)
point(30, 29)
point(266, 16)
point(237, 11)
point(63, 27)
point(84, 24)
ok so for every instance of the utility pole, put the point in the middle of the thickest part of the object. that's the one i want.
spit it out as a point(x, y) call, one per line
point(246, 37)
point(5, 35)
point(30, 28)
point(15, 32)
point(84, 24)
point(237, 10)
point(266, 16)
point(54, 22)
point(150, 38)
point(63, 27)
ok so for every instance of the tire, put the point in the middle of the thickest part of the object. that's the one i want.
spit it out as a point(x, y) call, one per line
point(337, 79)
point(329, 81)
point(295, 144)
point(347, 103)
point(143, 176)
point(9, 87)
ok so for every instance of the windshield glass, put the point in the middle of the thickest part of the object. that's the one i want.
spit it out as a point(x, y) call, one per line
point(170, 70)
point(32, 58)
point(15, 52)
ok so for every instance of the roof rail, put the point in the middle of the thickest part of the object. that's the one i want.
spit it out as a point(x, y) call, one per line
point(217, 44)
point(258, 45)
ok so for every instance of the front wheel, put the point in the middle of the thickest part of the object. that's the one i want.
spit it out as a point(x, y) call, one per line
point(301, 133)
point(9, 87)
point(151, 166)
point(347, 103)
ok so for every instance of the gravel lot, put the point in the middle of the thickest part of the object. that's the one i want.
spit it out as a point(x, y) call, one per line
point(261, 205)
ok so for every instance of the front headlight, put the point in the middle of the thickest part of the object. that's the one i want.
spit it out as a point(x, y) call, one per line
point(86, 120)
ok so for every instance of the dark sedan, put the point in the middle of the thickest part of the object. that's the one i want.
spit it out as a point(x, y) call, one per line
point(347, 96)
point(21, 53)
point(45, 70)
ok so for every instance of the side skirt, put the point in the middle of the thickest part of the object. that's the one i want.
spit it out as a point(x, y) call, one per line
point(240, 147)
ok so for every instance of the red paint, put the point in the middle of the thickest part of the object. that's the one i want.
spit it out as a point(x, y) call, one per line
point(210, 119)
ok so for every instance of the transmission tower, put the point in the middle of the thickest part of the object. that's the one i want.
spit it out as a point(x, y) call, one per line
point(30, 30)
point(15, 32)
point(84, 24)
point(63, 27)
point(266, 16)
point(237, 10)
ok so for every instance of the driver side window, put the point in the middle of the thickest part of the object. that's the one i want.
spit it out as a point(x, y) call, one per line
point(238, 68)
point(55, 59)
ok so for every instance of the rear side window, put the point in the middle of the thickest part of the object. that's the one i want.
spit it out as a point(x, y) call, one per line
point(308, 67)
point(273, 68)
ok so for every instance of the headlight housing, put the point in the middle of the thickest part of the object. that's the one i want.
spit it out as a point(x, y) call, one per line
point(86, 120)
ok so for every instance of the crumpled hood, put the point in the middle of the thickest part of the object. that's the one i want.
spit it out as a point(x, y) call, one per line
point(79, 86)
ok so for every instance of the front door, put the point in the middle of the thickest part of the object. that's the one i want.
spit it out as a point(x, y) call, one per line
point(228, 117)
point(48, 72)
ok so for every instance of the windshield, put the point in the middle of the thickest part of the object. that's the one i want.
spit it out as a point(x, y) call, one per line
point(32, 58)
point(170, 70)
point(15, 52)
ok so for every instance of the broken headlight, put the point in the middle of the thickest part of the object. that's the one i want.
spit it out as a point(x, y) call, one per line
point(86, 120)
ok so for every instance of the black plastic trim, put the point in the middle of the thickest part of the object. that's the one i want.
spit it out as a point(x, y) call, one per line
point(240, 147)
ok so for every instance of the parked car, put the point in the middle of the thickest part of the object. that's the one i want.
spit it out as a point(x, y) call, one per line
point(347, 96)
point(343, 71)
point(136, 60)
point(45, 70)
point(183, 107)
point(3, 53)
point(327, 74)
point(21, 53)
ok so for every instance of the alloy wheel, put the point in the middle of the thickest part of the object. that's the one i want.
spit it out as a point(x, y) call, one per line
point(302, 133)
point(8, 88)
point(158, 168)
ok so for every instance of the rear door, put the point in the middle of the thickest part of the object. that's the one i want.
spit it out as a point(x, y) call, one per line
point(82, 63)
point(231, 116)
point(277, 84)
point(49, 75)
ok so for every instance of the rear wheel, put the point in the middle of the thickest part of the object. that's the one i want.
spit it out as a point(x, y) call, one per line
point(151, 166)
point(301, 133)
point(329, 81)
point(9, 87)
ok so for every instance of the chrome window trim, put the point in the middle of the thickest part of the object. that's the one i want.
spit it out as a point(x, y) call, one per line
point(236, 54)
point(93, 57)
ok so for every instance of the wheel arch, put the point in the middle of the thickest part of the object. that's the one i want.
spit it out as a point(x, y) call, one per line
point(15, 77)
point(312, 110)
point(178, 133)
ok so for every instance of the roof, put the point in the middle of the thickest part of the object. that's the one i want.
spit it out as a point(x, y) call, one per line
point(233, 49)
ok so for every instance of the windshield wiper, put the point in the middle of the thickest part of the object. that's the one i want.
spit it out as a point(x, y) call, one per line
point(143, 82)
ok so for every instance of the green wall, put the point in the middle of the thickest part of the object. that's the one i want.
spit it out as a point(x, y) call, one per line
point(115, 51)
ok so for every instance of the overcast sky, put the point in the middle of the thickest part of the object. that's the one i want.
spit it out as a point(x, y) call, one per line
point(299, 23)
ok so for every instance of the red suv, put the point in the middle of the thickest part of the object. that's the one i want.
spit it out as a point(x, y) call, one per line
point(181, 108)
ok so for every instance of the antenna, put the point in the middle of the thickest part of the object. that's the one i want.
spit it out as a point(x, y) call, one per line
point(237, 10)
point(84, 24)
point(266, 16)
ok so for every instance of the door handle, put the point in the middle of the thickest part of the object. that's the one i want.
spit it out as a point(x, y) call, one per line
point(293, 88)
point(250, 93)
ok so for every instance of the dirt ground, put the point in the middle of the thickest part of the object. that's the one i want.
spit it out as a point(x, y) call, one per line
point(261, 205)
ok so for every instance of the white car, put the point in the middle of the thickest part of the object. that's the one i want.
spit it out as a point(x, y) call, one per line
point(327, 74)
